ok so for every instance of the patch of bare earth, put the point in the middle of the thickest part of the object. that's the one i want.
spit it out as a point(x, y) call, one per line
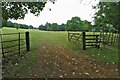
point(56, 61)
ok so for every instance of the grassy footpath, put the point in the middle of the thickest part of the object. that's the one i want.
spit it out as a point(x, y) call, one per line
point(108, 54)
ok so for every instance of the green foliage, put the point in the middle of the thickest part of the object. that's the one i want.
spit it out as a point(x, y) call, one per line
point(4, 23)
point(52, 27)
point(76, 24)
point(25, 26)
point(107, 15)
point(30, 27)
point(16, 25)
point(17, 10)
point(62, 27)
point(9, 24)
point(41, 27)
point(48, 26)
point(86, 25)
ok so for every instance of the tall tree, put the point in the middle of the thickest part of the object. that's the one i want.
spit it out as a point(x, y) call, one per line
point(107, 15)
point(48, 26)
point(74, 24)
point(54, 27)
point(86, 25)
point(62, 27)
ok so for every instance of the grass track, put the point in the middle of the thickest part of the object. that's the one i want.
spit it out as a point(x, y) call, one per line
point(36, 37)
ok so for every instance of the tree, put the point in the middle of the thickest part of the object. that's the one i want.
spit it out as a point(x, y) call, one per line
point(4, 23)
point(86, 25)
point(16, 25)
point(74, 24)
point(24, 26)
point(41, 27)
point(62, 27)
point(107, 15)
point(48, 26)
point(9, 24)
point(54, 27)
point(30, 27)
point(17, 10)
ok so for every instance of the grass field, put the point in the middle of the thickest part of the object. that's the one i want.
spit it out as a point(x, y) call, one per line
point(107, 54)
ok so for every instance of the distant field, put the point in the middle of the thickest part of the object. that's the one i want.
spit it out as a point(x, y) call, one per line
point(108, 54)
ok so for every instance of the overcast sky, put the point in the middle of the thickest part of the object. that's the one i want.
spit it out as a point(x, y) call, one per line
point(61, 11)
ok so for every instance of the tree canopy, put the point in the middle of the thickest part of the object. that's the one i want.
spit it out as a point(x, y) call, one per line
point(107, 15)
point(15, 25)
point(76, 24)
point(17, 10)
point(52, 27)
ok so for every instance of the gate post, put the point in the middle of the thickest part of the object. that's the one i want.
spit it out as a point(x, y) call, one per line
point(97, 42)
point(83, 40)
point(1, 46)
point(19, 44)
point(0, 40)
point(27, 41)
point(68, 36)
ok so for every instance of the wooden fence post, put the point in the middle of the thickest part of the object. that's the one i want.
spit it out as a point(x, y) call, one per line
point(97, 42)
point(112, 38)
point(83, 40)
point(27, 42)
point(68, 36)
point(19, 43)
point(2, 47)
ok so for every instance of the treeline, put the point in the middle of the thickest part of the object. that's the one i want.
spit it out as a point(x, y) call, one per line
point(75, 24)
point(15, 25)
point(52, 27)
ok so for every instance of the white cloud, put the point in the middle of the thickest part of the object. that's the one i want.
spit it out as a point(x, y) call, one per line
point(61, 11)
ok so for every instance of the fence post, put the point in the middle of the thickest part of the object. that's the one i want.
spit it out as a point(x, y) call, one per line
point(19, 43)
point(97, 43)
point(108, 39)
point(68, 36)
point(115, 37)
point(27, 42)
point(83, 40)
point(112, 38)
point(2, 47)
